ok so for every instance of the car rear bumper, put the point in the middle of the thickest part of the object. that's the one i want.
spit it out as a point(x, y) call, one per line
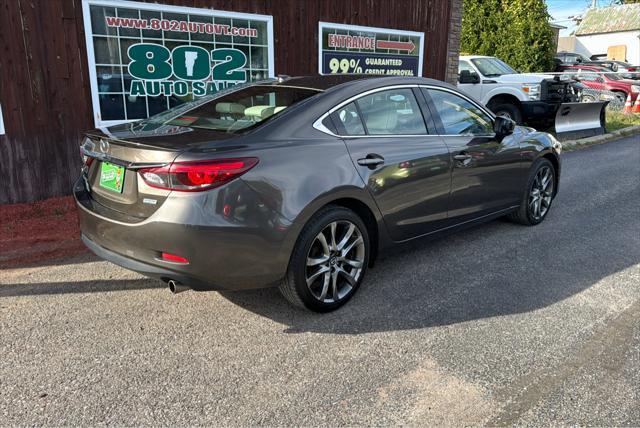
point(223, 253)
point(152, 271)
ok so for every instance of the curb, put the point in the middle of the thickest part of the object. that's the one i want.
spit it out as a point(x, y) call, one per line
point(599, 139)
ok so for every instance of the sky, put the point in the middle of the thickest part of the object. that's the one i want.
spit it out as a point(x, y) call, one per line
point(561, 10)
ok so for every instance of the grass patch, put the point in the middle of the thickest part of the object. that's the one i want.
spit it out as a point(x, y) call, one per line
point(618, 120)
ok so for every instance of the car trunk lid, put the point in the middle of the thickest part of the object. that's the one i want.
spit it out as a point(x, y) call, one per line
point(111, 176)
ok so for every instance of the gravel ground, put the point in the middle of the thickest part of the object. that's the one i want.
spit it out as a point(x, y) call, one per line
point(497, 325)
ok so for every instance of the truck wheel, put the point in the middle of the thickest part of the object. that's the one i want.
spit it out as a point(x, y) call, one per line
point(506, 109)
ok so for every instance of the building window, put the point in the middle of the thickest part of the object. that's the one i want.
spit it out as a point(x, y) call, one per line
point(145, 58)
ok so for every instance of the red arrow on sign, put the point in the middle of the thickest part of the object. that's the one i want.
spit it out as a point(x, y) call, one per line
point(400, 46)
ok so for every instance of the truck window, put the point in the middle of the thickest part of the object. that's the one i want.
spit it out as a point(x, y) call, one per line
point(464, 65)
point(490, 67)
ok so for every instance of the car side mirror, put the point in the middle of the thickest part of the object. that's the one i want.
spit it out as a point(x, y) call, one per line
point(578, 60)
point(468, 77)
point(503, 126)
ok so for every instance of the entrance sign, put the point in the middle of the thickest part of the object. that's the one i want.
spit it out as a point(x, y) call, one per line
point(351, 49)
point(145, 57)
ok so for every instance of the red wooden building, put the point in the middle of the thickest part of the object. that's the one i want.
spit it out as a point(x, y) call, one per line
point(64, 65)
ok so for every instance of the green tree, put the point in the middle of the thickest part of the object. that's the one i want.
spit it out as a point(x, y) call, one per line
point(516, 31)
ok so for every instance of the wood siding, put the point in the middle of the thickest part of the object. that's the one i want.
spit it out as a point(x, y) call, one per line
point(44, 82)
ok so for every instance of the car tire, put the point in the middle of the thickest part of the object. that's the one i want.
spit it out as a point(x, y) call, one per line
point(621, 97)
point(538, 194)
point(506, 109)
point(322, 276)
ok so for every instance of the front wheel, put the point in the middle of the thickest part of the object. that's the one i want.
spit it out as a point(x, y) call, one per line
point(328, 262)
point(538, 194)
point(506, 109)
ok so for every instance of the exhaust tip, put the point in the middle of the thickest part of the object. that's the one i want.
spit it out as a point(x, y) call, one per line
point(176, 287)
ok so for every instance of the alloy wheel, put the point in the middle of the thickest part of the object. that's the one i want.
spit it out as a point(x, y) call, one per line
point(335, 261)
point(541, 193)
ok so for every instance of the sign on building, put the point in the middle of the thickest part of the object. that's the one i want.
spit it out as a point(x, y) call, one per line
point(354, 49)
point(145, 58)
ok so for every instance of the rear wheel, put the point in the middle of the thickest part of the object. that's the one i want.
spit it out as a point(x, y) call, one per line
point(328, 262)
point(538, 194)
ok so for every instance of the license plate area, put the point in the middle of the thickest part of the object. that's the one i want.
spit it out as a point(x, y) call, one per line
point(112, 177)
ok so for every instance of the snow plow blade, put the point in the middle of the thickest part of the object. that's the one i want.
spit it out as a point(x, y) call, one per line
point(579, 120)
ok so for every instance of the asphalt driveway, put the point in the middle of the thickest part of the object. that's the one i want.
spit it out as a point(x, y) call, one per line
point(500, 324)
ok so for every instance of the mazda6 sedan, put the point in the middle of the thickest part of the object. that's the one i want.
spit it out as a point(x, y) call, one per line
point(301, 182)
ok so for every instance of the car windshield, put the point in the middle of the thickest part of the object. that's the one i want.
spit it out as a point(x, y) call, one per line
point(613, 76)
point(492, 67)
point(239, 110)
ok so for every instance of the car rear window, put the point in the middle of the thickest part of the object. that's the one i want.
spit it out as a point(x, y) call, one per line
point(243, 109)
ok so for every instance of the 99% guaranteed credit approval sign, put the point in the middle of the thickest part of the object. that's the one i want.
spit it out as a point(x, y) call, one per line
point(350, 49)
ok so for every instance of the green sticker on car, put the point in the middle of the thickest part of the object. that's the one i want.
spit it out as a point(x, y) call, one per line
point(111, 176)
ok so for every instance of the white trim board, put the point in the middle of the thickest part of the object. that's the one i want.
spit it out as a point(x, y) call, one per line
point(2, 131)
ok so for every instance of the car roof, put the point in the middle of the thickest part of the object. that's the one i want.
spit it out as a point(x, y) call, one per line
point(336, 89)
point(318, 83)
point(322, 83)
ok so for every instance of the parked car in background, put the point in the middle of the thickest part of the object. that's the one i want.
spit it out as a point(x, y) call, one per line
point(300, 182)
point(603, 79)
point(622, 66)
point(625, 67)
point(526, 98)
point(567, 59)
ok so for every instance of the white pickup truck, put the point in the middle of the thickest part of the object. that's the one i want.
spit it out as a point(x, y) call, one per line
point(525, 98)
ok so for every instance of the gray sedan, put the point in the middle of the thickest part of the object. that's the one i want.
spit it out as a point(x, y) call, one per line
point(300, 182)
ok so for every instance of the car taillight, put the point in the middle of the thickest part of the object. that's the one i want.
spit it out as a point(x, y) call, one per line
point(86, 160)
point(197, 175)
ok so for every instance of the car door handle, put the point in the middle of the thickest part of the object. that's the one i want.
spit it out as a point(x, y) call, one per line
point(462, 157)
point(371, 161)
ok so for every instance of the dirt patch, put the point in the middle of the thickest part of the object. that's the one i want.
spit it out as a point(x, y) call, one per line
point(35, 233)
point(438, 398)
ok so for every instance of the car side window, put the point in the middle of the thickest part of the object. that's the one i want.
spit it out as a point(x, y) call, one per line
point(589, 77)
point(347, 120)
point(464, 65)
point(392, 112)
point(459, 116)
